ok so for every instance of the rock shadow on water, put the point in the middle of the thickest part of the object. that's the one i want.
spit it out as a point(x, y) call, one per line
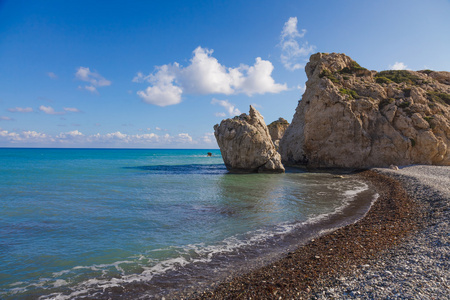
point(216, 169)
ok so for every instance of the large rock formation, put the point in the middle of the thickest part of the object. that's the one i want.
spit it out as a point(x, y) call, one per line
point(355, 118)
point(276, 130)
point(246, 145)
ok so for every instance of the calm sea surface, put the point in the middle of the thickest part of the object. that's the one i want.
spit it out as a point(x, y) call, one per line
point(145, 223)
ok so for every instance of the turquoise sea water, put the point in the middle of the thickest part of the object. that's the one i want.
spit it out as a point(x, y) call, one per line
point(77, 222)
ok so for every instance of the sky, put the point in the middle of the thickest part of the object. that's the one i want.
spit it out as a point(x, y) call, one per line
point(161, 74)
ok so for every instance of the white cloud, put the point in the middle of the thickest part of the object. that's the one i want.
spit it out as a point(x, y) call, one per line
point(205, 75)
point(118, 138)
point(52, 75)
point(398, 66)
point(220, 114)
point(301, 88)
point(290, 29)
point(208, 138)
point(71, 137)
point(71, 109)
point(28, 137)
point(113, 139)
point(5, 118)
point(146, 136)
point(161, 95)
point(259, 79)
point(231, 109)
point(50, 111)
point(20, 109)
point(33, 135)
point(10, 136)
point(291, 51)
point(184, 138)
point(140, 77)
point(117, 135)
point(94, 78)
point(163, 92)
point(89, 88)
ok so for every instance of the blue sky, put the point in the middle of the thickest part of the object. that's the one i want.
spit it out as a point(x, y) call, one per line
point(160, 74)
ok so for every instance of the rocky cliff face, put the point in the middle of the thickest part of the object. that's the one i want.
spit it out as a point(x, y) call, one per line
point(246, 145)
point(276, 130)
point(355, 118)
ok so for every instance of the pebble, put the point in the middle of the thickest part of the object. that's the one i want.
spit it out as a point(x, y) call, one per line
point(413, 268)
point(419, 268)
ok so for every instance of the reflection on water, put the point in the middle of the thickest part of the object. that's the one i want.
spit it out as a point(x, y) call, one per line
point(253, 196)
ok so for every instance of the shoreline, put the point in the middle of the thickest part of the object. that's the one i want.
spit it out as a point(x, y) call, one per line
point(336, 264)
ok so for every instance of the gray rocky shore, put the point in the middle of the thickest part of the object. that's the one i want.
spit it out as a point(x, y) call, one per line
point(419, 268)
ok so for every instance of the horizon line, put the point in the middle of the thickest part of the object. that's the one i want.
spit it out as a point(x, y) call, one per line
point(109, 148)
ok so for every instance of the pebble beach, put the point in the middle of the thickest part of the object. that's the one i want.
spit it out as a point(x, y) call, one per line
point(399, 250)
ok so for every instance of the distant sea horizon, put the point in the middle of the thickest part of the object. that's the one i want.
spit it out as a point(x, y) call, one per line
point(78, 222)
point(106, 148)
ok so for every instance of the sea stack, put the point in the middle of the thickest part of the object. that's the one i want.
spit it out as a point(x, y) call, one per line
point(276, 130)
point(246, 146)
point(351, 117)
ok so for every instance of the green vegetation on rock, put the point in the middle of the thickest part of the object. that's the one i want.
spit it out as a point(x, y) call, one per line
point(382, 79)
point(326, 73)
point(429, 119)
point(354, 67)
point(385, 102)
point(413, 142)
point(353, 94)
point(426, 71)
point(442, 98)
point(398, 76)
point(407, 92)
point(404, 104)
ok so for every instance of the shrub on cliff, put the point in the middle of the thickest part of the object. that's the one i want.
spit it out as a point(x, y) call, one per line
point(353, 94)
point(442, 98)
point(354, 67)
point(398, 76)
point(326, 73)
point(382, 79)
point(385, 102)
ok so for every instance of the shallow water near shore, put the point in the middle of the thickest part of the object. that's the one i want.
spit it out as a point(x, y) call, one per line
point(146, 223)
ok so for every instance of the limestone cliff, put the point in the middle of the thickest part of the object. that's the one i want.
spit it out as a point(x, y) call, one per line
point(246, 146)
point(276, 130)
point(355, 118)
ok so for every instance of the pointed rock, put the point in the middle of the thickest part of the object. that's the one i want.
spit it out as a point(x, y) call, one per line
point(246, 145)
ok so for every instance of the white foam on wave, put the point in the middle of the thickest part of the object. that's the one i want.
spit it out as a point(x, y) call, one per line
point(349, 197)
point(203, 254)
point(193, 253)
point(59, 283)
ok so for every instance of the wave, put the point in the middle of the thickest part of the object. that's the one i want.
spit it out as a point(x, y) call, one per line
point(195, 263)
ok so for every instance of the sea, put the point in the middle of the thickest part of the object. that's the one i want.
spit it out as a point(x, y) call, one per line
point(153, 223)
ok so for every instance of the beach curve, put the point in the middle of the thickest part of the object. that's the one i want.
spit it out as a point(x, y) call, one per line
point(400, 249)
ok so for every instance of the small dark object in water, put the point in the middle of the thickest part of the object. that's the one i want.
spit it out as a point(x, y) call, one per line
point(209, 154)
